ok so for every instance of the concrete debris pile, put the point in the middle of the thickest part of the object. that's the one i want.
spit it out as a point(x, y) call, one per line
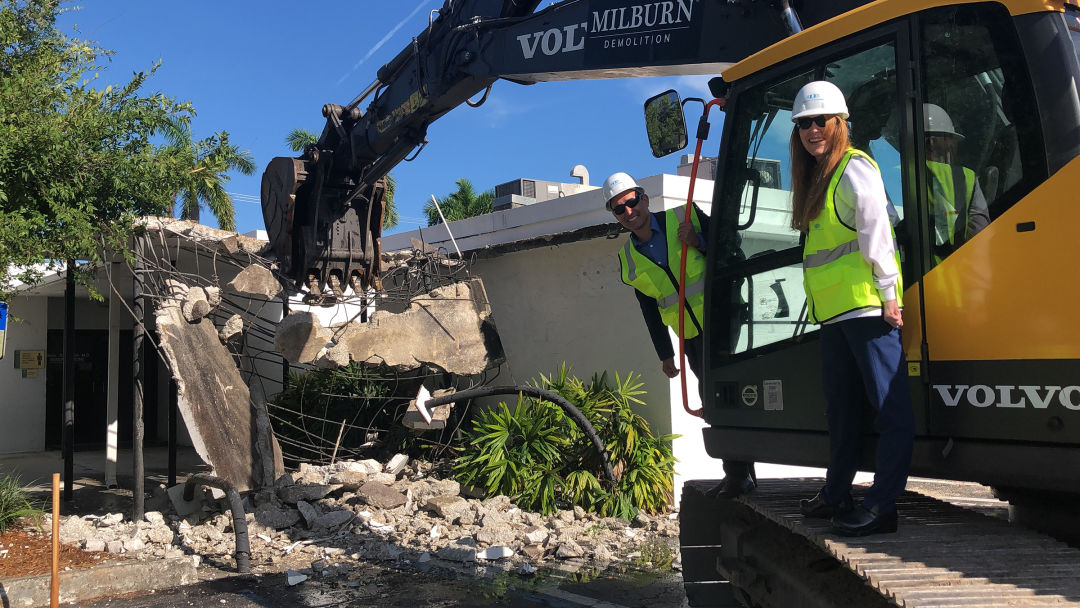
point(318, 520)
point(450, 328)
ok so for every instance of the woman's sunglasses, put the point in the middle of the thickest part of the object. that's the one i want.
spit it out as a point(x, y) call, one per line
point(805, 122)
point(622, 207)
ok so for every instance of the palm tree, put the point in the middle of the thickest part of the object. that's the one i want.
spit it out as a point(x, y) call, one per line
point(463, 203)
point(298, 139)
point(209, 162)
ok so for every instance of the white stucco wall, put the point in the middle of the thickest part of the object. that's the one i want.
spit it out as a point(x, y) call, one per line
point(22, 409)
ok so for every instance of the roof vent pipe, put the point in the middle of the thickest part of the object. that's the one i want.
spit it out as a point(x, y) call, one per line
point(791, 20)
point(580, 172)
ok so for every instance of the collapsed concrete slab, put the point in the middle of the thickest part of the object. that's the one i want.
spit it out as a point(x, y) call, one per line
point(450, 328)
point(222, 418)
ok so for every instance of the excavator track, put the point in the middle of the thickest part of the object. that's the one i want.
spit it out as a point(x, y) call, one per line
point(942, 556)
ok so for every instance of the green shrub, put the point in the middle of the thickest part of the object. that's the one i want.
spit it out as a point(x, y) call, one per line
point(538, 456)
point(15, 503)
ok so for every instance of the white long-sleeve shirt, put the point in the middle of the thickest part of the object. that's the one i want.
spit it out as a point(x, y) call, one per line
point(861, 203)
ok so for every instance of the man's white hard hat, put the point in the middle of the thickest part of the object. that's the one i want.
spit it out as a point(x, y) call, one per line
point(937, 121)
point(618, 183)
point(818, 98)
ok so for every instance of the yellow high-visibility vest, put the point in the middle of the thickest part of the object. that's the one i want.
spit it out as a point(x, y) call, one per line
point(661, 284)
point(836, 278)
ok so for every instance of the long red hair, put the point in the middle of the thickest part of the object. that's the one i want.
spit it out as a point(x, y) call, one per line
point(810, 176)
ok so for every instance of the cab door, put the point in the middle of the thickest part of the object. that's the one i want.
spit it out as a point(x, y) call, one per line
point(763, 358)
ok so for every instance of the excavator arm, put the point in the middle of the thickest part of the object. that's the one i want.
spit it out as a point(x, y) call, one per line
point(323, 211)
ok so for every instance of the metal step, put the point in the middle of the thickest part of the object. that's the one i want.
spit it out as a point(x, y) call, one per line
point(941, 556)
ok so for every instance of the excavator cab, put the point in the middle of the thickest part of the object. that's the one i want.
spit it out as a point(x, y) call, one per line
point(992, 362)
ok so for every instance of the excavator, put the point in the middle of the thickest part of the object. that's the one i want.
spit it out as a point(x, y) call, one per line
point(946, 95)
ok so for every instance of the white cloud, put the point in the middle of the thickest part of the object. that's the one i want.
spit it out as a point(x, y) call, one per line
point(381, 42)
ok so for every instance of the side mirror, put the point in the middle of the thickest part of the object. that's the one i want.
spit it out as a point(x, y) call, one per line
point(665, 123)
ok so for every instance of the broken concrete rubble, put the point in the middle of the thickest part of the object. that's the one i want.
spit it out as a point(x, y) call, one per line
point(339, 529)
point(213, 398)
point(256, 281)
point(450, 328)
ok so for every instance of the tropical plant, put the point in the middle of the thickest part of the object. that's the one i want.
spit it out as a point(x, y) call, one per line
point(15, 503)
point(78, 159)
point(537, 455)
point(298, 139)
point(460, 204)
point(208, 163)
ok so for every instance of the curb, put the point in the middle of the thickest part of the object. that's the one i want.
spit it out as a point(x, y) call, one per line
point(88, 584)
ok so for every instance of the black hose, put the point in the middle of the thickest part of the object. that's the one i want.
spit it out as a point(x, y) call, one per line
point(236, 505)
point(574, 413)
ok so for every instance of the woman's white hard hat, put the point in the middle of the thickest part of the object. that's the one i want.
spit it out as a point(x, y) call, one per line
point(818, 98)
point(618, 183)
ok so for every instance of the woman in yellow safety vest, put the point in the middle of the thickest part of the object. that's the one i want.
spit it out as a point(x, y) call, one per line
point(851, 275)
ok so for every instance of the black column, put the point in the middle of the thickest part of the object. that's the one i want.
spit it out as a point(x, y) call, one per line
point(68, 433)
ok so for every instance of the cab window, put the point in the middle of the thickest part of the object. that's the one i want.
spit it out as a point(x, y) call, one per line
point(980, 122)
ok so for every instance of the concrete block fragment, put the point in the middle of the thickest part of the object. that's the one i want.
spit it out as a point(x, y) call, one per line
point(232, 328)
point(93, 544)
point(213, 296)
point(296, 493)
point(194, 306)
point(380, 495)
point(293, 578)
point(448, 507)
point(495, 553)
point(350, 481)
point(255, 281)
point(183, 507)
point(114, 546)
point(397, 464)
point(333, 519)
point(308, 512)
point(535, 535)
point(300, 337)
point(154, 517)
point(276, 518)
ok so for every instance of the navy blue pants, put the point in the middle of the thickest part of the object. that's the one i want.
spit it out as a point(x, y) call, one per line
point(863, 360)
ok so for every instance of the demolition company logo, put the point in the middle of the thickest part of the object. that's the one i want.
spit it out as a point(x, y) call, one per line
point(644, 24)
point(1009, 396)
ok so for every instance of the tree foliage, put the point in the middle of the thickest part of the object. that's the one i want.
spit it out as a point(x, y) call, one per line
point(77, 163)
point(463, 203)
point(206, 171)
point(299, 138)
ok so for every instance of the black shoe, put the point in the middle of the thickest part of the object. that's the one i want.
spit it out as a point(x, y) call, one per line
point(732, 488)
point(862, 521)
point(817, 507)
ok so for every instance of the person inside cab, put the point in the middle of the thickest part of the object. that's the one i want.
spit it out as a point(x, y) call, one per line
point(957, 207)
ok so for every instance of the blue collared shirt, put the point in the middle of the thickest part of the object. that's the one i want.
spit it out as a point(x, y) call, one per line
point(656, 247)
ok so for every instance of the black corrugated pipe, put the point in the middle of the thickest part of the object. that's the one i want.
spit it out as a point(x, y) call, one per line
point(574, 413)
point(236, 505)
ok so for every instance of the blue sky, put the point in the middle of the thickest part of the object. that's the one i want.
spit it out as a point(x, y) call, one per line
point(260, 69)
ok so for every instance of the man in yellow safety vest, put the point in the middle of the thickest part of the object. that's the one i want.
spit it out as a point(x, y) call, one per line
point(650, 261)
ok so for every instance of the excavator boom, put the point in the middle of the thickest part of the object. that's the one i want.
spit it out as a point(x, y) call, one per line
point(323, 210)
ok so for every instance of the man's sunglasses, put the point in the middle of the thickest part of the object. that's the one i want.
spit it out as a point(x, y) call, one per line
point(805, 122)
point(622, 207)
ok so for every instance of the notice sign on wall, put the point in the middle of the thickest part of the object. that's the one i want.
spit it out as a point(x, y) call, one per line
point(29, 359)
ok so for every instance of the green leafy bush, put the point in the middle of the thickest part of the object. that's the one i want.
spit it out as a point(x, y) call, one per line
point(15, 503)
point(537, 455)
